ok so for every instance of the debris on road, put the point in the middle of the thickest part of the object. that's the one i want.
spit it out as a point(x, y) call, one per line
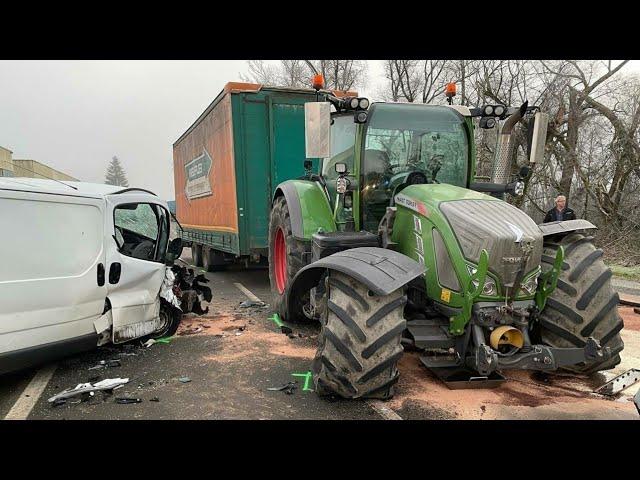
point(308, 376)
point(184, 379)
point(154, 399)
point(152, 341)
point(619, 383)
point(128, 400)
point(191, 331)
point(287, 388)
point(106, 384)
point(106, 364)
point(283, 328)
point(252, 304)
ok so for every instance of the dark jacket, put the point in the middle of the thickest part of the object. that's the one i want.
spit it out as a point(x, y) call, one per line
point(567, 214)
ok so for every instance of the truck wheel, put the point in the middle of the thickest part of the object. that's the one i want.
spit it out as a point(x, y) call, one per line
point(286, 257)
point(196, 254)
point(212, 260)
point(584, 304)
point(359, 341)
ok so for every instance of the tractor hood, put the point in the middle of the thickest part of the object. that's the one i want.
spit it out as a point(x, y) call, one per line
point(498, 227)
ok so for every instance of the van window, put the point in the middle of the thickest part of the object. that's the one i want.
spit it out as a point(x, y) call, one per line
point(141, 231)
point(44, 239)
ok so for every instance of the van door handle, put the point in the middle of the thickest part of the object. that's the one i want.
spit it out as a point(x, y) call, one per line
point(114, 273)
point(100, 274)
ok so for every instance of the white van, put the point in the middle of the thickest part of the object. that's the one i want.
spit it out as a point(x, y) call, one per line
point(81, 265)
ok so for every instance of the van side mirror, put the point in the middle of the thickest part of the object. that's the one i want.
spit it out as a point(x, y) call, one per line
point(317, 129)
point(175, 247)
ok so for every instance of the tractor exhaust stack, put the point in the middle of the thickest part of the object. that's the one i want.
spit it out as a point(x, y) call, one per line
point(502, 163)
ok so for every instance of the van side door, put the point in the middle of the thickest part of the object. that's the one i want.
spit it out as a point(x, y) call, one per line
point(52, 275)
point(138, 227)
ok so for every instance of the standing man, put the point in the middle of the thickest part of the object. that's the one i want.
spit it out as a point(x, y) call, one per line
point(560, 211)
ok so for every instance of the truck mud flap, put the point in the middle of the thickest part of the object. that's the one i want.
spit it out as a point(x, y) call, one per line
point(382, 271)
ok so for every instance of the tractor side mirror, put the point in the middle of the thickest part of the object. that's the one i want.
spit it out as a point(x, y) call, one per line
point(317, 129)
point(538, 137)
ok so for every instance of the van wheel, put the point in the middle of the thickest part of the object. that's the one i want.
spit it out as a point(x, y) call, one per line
point(170, 318)
point(196, 254)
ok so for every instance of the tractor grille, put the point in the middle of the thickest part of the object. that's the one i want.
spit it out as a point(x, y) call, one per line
point(494, 226)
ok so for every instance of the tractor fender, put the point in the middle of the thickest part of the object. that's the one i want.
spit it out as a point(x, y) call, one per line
point(382, 271)
point(566, 226)
point(309, 208)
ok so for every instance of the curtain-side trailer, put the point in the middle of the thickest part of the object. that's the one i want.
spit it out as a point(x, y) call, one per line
point(228, 164)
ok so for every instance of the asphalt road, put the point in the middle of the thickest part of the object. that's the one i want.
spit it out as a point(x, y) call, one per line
point(239, 353)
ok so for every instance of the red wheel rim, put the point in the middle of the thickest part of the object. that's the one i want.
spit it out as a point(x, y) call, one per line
point(280, 261)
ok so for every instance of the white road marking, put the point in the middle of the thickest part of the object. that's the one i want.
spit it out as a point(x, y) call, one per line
point(31, 394)
point(247, 292)
point(386, 413)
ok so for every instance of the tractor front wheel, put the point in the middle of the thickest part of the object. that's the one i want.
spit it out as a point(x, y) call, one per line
point(584, 304)
point(359, 344)
point(286, 257)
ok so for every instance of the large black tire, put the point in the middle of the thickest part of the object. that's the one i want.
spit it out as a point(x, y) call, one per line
point(359, 342)
point(212, 260)
point(584, 304)
point(196, 254)
point(279, 219)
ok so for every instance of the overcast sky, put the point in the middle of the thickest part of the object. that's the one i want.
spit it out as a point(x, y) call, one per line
point(75, 115)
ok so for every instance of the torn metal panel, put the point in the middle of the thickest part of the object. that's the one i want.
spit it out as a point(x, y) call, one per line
point(106, 384)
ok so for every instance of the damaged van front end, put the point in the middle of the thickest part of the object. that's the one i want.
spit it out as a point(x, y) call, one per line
point(84, 265)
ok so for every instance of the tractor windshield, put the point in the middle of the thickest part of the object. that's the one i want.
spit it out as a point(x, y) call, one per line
point(402, 138)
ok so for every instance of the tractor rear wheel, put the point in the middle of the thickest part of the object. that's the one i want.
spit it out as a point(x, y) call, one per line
point(359, 345)
point(584, 304)
point(286, 257)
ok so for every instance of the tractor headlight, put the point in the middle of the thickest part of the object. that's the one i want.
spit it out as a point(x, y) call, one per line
point(488, 110)
point(519, 189)
point(498, 110)
point(530, 286)
point(341, 185)
point(363, 103)
point(353, 103)
point(489, 289)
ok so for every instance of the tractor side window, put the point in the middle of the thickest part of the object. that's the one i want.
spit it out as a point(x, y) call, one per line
point(343, 138)
point(138, 227)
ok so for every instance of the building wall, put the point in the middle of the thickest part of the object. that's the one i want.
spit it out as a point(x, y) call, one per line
point(35, 169)
point(6, 162)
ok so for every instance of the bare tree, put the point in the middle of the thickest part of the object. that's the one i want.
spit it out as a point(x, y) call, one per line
point(338, 74)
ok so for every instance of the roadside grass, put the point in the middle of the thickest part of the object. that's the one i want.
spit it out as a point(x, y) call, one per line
point(630, 273)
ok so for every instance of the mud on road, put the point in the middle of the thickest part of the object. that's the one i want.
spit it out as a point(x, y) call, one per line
point(236, 354)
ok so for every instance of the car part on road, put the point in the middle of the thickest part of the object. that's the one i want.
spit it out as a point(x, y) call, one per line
point(127, 400)
point(287, 388)
point(106, 364)
point(184, 379)
point(275, 318)
point(619, 383)
point(252, 303)
point(191, 331)
point(153, 341)
point(154, 399)
point(106, 384)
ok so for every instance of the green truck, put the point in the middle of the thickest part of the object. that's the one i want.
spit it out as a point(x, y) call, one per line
point(228, 164)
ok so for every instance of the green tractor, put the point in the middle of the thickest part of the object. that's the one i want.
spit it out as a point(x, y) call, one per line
point(394, 246)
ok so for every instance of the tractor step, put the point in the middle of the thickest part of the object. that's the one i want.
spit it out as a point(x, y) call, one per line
point(428, 334)
point(458, 378)
point(619, 383)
